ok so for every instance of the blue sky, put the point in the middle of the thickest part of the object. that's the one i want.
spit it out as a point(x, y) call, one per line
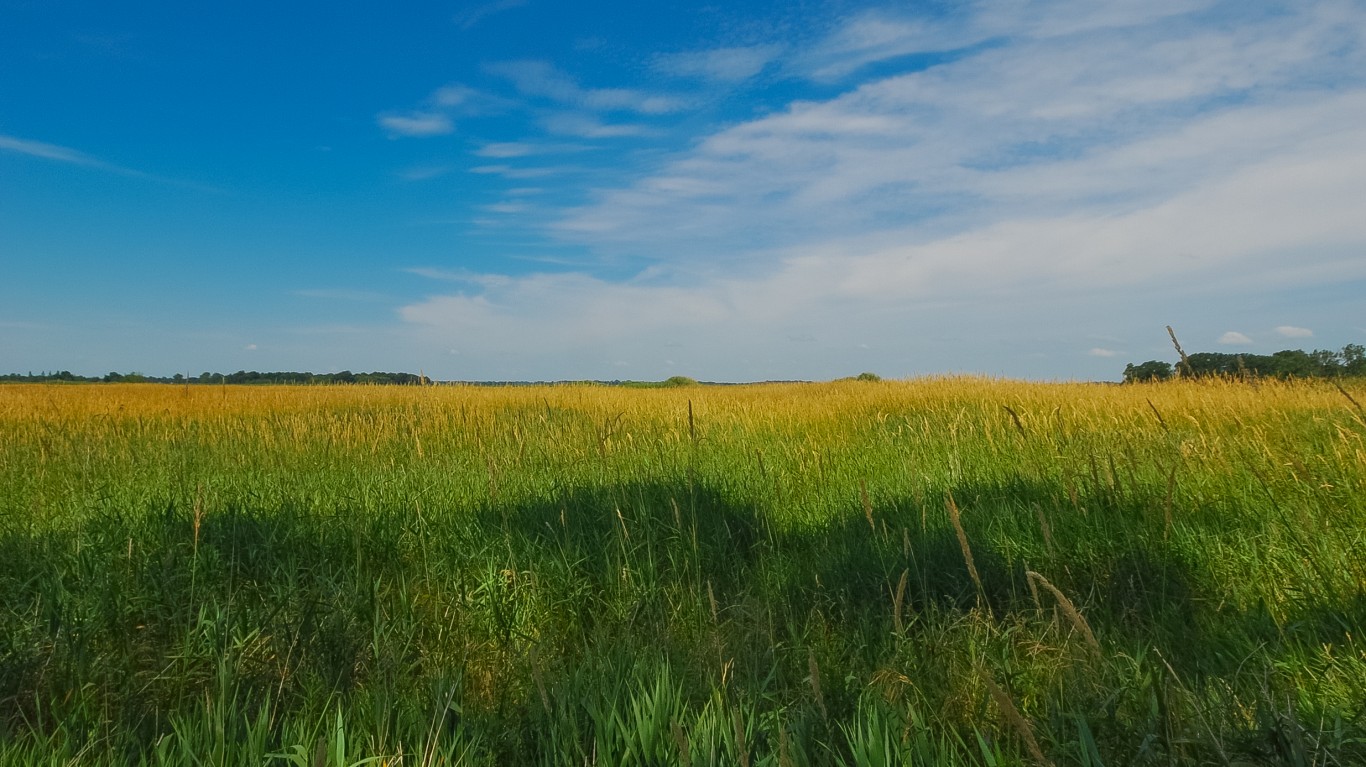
point(520, 189)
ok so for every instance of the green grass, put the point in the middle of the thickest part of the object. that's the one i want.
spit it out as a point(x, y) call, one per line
point(763, 575)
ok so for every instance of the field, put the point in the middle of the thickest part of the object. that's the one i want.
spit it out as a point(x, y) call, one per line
point(937, 571)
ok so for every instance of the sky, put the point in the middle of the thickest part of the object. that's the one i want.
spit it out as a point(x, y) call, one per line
point(751, 190)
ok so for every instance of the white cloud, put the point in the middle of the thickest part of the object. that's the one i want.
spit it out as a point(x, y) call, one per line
point(1028, 127)
point(416, 124)
point(1038, 173)
point(566, 309)
point(586, 126)
point(505, 149)
point(1290, 331)
point(876, 36)
point(453, 95)
point(436, 115)
point(1234, 338)
point(727, 65)
point(880, 35)
point(541, 79)
point(510, 172)
point(249, 347)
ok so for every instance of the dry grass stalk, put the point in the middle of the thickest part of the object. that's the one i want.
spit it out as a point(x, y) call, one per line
point(784, 749)
point(1047, 528)
point(867, 505)
point(1360, 413)
point(741, 745)
point(1068, 609)
point(692, 426)
point(681, 739)
point(897, 602)
point(540, 680)
point(1167, 503)
point(1016, 720)
point(1033, 591)
point(816, 684)
point(1015, 417)
point(954, 517)
point(1157, 413)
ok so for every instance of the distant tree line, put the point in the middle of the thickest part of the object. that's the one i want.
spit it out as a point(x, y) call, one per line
point(240, 377)
point(1290, 363)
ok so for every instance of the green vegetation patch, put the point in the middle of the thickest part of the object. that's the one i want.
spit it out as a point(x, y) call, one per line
point(951, 571)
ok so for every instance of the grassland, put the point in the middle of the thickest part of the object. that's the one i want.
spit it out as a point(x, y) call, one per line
point(949, 571)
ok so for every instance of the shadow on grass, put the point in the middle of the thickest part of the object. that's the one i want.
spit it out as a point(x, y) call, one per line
point(137, 611)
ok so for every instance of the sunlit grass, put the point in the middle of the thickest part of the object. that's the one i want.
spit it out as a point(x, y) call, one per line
point(771, 574)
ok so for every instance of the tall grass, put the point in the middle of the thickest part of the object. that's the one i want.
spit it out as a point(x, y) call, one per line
point(940, 571)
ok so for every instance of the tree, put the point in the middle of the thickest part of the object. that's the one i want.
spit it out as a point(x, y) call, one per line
point(1152, 370)
point(1293, 362)
point(1354, 359)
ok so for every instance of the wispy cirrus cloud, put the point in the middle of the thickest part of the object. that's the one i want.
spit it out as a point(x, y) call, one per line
point(582, 125)
point(53, 152)
point(438, 112)
point(876, 36)
point(513, 149)
point(69, 156)
point(723, 65)
point(541, 79)
point(416, 124)
point(505, 149)
point(518, 172)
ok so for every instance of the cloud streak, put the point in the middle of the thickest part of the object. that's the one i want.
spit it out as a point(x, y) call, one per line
point(69, 156)
point(416, 124)
point(53, 152)
point(540, 79)
point(723, 65)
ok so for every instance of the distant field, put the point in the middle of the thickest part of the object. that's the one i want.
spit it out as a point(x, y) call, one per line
point(938, 571)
